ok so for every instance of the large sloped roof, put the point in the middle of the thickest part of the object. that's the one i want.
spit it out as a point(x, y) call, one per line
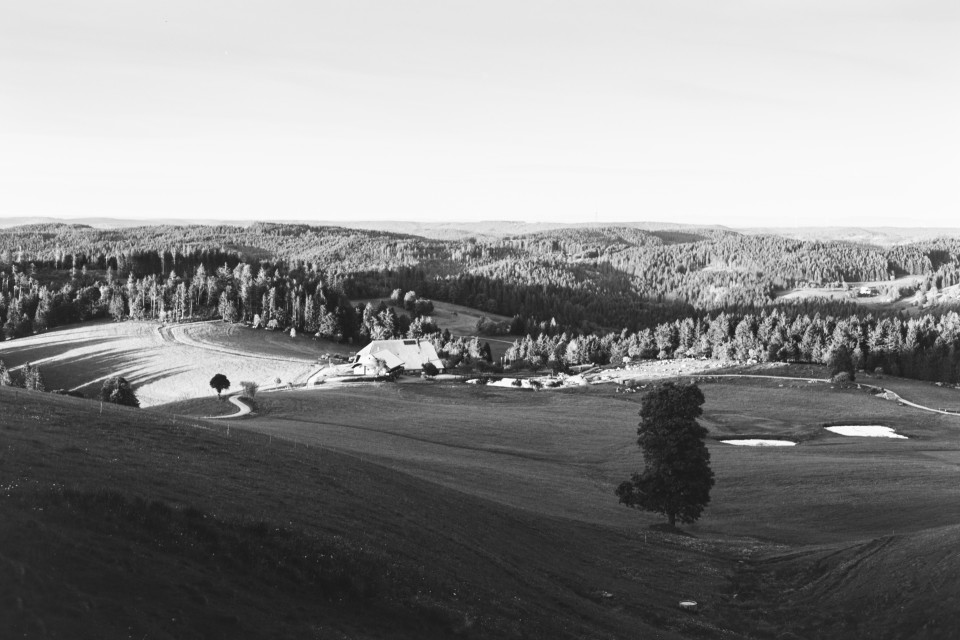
point(413, 354)
point(369, 360)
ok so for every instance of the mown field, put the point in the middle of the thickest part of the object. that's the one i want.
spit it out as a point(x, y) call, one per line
point(140, 524)
point(236, 338)
point(801, 512)
point(419, 509)
point(164, 364)
point(563, 453)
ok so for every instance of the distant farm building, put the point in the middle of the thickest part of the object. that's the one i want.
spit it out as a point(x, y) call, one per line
point(389, 356)
point(867, 291)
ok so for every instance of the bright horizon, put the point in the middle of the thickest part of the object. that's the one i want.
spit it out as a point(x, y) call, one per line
point(749, 114)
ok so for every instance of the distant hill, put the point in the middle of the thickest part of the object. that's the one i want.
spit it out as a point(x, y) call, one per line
point(491, 229)
point(116, 223)
point(878, 236)
point(483, 230)
point(495, 229)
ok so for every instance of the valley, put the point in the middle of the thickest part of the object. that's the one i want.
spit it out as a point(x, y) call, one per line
point(422, 506)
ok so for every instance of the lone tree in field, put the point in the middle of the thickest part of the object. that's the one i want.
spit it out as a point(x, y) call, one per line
point(219, 382)
point(118, 391)
point(677, 478)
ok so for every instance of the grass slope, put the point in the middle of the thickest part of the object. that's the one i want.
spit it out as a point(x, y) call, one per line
point(560, 454)
point(136, 524)
point(419, 510)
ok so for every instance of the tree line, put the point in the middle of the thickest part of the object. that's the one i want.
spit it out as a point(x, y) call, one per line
point(926, 347)
point(661, 287)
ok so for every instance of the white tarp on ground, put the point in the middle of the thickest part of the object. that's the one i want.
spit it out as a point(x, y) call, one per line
point(866, 431)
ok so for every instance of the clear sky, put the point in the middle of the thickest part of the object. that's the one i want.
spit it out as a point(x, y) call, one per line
point(739, 112)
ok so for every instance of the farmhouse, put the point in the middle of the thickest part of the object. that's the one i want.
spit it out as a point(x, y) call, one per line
point(394, 355)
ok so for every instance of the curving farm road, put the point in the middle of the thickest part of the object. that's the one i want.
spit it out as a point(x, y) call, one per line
point(243, 409)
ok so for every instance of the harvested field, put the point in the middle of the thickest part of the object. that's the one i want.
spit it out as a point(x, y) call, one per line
point(238, 339)
point(163, 364)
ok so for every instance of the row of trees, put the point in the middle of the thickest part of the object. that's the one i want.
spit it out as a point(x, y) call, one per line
point(298, 299)
point(926, 347)
point(29, 377)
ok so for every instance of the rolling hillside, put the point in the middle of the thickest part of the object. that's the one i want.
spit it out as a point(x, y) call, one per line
point(425, 511)
point(130, 523)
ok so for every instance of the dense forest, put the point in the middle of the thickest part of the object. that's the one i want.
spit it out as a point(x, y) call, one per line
point(639, 293)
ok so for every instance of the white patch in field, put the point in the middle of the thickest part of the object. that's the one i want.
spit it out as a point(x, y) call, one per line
point(866, 431)
point(760, 443)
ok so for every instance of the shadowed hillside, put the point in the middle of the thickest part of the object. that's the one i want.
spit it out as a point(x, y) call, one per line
point(119, 523)
point(129, 523)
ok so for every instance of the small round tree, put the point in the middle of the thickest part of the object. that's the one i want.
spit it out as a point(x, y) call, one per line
point(677, 478)
point(219, 382)
point(249, 389)
point(118, 391)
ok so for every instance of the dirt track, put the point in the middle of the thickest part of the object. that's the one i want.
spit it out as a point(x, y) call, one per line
point(243, 409)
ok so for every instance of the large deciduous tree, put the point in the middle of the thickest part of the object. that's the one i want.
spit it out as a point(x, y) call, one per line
point(219, 382)
point(677, 478)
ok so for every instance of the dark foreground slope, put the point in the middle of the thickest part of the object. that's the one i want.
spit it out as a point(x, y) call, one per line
point(127, 523)
point(890, 588)
point(134, 524)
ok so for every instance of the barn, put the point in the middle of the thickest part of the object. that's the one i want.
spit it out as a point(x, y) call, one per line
point(395, 355)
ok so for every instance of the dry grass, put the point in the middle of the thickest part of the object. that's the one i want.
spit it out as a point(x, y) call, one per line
point(161, 368)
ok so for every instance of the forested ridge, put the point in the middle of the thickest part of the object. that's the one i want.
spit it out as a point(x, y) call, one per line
point(582, 281)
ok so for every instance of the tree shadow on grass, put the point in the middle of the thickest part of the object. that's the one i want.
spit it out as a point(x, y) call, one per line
point(16, 356)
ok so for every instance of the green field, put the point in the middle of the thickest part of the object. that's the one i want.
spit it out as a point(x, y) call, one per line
point(421, 509)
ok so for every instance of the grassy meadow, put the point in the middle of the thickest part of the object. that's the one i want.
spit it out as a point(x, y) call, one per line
point(432, 510)
point(147, 525)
